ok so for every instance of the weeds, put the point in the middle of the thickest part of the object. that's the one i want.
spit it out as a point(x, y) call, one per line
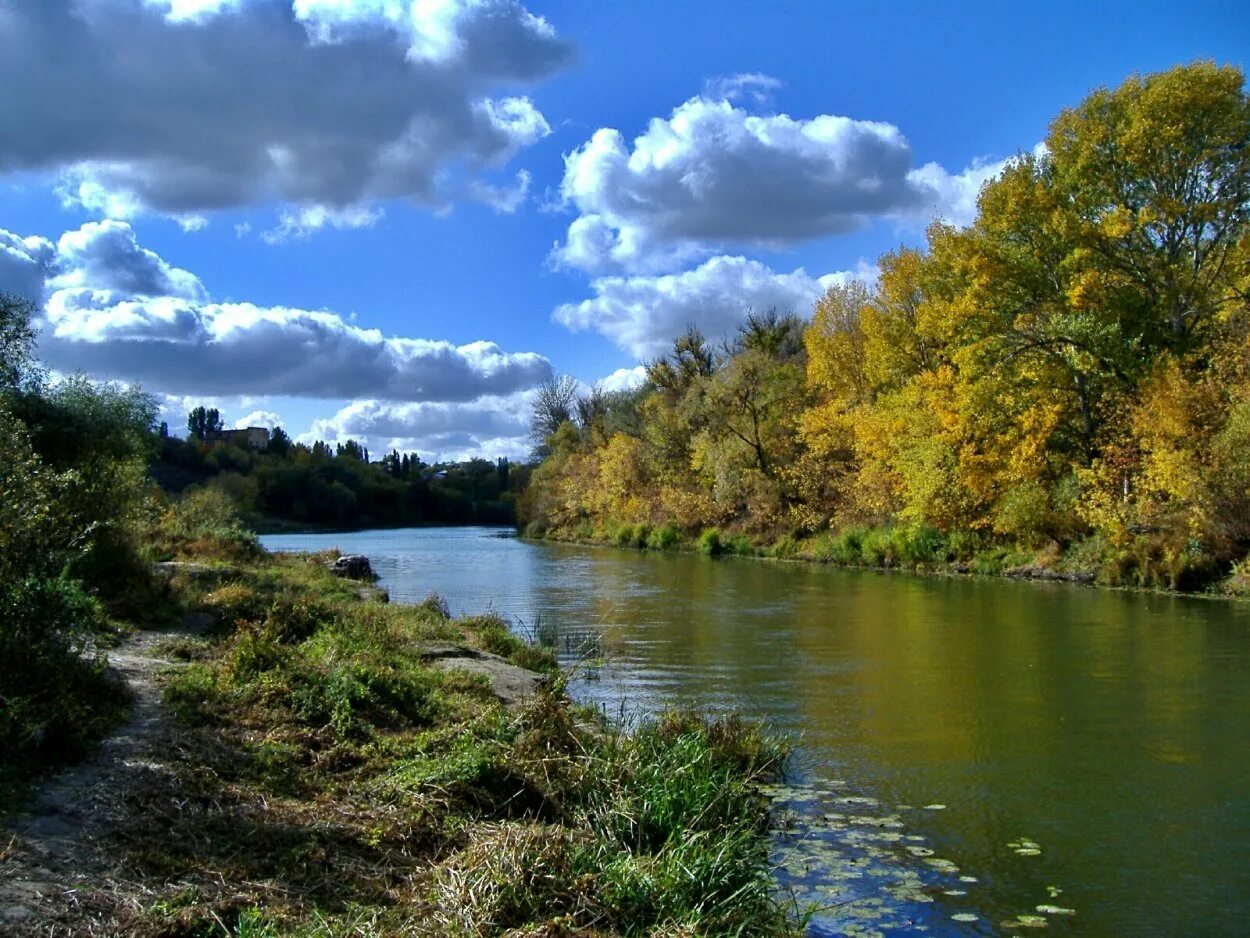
point(331, 782)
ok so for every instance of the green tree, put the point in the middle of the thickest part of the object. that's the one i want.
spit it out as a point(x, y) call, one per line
point(279, 442)
point(202, 422)
point(17, 339)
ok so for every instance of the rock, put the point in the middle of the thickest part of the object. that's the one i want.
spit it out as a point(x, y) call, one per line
point(352, 566)
point(513, 685)
point(1037, 572)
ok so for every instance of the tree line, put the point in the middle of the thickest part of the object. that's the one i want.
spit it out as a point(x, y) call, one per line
point(1067, 377)
point(334, 486)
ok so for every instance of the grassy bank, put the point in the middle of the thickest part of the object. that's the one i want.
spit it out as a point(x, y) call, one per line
point(328, 774)
point(1146, 562)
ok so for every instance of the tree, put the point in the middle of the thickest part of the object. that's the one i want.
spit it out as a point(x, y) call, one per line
point(352, 450)
point(203, 422)
point(691, 359)
point(554, 405)
point(776, 335)
point(279, 442)
point(17, 339)
point(835, 343)
point(1157, 174)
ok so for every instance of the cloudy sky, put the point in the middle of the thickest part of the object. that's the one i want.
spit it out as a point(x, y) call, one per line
point(390, 219)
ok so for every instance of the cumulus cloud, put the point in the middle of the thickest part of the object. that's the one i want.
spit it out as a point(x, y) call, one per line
point(491, 426)
point(24, 265)
point(258, 418)
point(644, 314)
point(239, 348)
point(118, 310)
point(714, 174)
point(105, 259)
point(624, 379)
point(335, 104)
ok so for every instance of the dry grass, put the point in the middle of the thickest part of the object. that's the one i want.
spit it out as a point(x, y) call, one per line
point(322, 780)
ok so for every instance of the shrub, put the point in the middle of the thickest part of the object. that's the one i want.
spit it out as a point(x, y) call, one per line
point(710, 542)
point(623, 536)
point(663, 537)
point(847, 546)
point(57, 699)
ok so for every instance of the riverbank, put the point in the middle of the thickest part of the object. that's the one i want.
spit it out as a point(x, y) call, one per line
point(331, 764)
point(1092, 562)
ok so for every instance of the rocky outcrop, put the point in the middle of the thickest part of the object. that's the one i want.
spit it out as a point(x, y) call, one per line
point(353, 567)
point(511, 684)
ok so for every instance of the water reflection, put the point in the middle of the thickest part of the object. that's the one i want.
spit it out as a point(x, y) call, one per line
point(1107, 728)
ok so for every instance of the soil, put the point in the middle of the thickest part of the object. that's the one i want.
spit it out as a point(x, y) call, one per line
point(52, 853)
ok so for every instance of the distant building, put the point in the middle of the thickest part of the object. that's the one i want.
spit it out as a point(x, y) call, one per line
point(248, 438)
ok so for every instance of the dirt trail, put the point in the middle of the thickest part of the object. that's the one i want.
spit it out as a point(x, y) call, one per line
point(53, 851)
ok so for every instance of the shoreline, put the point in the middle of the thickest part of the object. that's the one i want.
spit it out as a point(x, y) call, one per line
point(949, 570)
point(319, 757)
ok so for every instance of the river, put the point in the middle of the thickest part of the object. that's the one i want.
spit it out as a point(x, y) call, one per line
point(969, 750)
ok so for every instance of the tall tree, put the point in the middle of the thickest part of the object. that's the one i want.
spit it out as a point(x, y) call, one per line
point(203, 422)
point(1157, 173)
point(554, 405)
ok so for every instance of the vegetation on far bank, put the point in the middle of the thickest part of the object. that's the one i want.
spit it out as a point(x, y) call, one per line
point(1062, 387)
point(292, 486)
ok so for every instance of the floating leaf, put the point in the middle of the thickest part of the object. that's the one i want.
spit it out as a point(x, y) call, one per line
point(935, 807)
point(964, 917)
point(1026, 921)
point(1055, 910)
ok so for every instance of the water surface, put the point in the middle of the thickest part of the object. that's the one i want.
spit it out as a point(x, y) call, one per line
point(941, 721)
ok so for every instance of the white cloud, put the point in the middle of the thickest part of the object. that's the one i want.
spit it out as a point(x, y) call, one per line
point(24, 264)
point(714, 174)
point(750, 85)
point(644, 314)
point(258, 418)
point(104, 258)
point(503, 199)
point(490, 426)
point(178, 11)
point(167, 343)
point(120, 311)
point(312, 105)
point(953, 197)
point(624, 379)
point(301, 222)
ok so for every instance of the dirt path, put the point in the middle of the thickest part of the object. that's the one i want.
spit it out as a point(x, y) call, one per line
point(53, 852)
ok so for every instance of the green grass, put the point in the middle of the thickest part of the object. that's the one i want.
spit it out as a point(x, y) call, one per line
point(342, 785)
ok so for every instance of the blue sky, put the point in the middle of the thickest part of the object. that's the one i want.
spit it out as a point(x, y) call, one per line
point(389, 220)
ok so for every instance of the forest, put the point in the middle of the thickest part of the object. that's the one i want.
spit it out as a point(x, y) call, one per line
point(291, 485)
point(1063, 386)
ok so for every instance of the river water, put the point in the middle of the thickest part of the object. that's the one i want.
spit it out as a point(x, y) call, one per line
point(969, 750)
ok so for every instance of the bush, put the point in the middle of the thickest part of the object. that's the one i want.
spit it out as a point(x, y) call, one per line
point(847, 546)
point(663, 537)
point(57, 699)
point(785, 547)
point(623, 536)
point(710, 542)
point(203, 524)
